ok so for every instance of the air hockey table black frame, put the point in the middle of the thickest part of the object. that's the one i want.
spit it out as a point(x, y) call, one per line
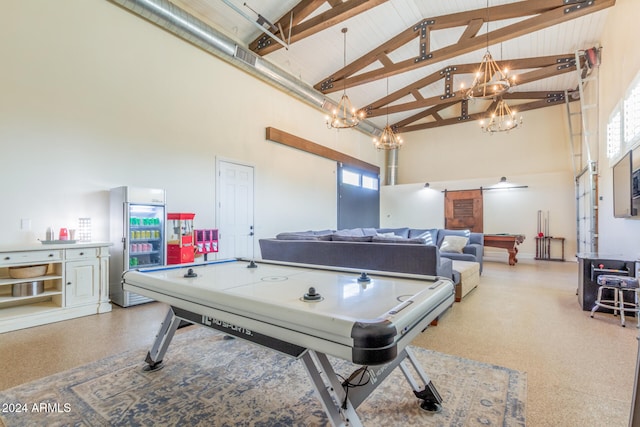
point(339, 404)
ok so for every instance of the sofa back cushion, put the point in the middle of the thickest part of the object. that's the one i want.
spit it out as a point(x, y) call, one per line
point(383, 238)
point(476, 239)
point(354, 235)
point(430, 235)
point(402, 232)
point(305, 235)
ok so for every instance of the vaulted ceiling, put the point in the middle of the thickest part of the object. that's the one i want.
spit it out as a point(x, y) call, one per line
point(405, 60)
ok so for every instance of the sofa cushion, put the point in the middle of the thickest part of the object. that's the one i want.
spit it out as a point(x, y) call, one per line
point(296, 235)
point(430, 236)
point(402, 232)
point(453, 244)
point(384, 238)
point(353, 235)
point(369, 231)
point(305, 235)
point(348, 238)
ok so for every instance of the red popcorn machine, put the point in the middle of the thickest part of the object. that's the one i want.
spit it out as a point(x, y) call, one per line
point(180, 248)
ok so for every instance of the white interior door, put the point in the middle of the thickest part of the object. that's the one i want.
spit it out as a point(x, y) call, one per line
point(235, 210)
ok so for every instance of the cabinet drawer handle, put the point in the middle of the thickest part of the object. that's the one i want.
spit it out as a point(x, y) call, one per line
point(81, 253)
point(68, 283)
point(51, 255)
point(7, 258)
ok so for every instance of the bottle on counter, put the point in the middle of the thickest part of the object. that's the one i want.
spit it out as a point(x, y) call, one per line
point(64, 234)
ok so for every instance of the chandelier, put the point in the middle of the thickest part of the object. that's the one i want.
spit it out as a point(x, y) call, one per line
point(502, 119)
point(388, 140)
point(489, 81)
point(344, 115)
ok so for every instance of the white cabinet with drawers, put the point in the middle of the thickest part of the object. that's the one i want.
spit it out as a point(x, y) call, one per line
point(72, 280)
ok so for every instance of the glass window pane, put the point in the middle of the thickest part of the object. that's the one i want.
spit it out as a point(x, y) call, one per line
point(613, 136)
point(369, 182)
point(631, 111)
point(351, 178)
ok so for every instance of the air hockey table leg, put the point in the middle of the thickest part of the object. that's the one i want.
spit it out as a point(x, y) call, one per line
point(431, 399)
point(161, 343)
point(339, 417)
point(341, 405)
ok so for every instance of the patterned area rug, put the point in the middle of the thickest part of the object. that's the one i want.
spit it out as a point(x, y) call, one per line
point(211, 381)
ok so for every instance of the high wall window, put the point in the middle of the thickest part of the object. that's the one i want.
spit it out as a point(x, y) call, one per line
point(360, 179)
point(614, 135)
point(350, 177)
point(632, 116)
point(370, 182)
point(623, 128)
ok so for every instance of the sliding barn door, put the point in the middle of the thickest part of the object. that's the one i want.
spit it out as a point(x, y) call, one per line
point(463, 210)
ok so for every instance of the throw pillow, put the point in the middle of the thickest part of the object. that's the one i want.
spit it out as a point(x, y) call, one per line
point(390, 235)
point(453, 244)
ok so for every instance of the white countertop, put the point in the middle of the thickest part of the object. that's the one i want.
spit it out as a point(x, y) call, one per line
point(38, 246)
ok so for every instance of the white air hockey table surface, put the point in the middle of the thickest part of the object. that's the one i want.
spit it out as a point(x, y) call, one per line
point(367, 318)
point(359, 321)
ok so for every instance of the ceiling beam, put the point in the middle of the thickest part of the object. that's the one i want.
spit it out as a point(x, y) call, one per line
point(300, 30)
point(545, 13)
point(548, 66)
point(542, 103)
point(282, 137)
point(433, 111)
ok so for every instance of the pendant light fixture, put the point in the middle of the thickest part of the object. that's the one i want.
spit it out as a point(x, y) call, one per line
point(489, 80)
point(388, 140)
point(502, 119)
point(344, 115)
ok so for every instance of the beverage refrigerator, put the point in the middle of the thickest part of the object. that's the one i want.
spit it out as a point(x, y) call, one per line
point(137, 230)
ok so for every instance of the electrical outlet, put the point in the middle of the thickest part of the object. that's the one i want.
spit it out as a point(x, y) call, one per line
point(25, 224)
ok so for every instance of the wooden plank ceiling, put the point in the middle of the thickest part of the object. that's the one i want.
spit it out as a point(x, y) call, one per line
point(412, 55)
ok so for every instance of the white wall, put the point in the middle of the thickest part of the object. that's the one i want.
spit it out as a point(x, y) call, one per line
point(94, 97)
point(620, 65)
point(461, 157)
point(464, 152)
point(505, 211)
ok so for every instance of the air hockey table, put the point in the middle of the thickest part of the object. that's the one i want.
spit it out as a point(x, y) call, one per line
point(307, 312)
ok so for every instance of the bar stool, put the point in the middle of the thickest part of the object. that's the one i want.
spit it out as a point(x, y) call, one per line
point(619, 285)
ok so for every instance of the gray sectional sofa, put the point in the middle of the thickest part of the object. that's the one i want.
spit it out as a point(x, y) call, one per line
point(401, 250)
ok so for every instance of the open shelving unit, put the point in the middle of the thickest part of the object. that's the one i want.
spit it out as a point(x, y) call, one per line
point(75, 283)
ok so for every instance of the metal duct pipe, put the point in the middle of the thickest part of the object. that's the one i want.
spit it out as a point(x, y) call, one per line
point(178, 22)
point(391, 165)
